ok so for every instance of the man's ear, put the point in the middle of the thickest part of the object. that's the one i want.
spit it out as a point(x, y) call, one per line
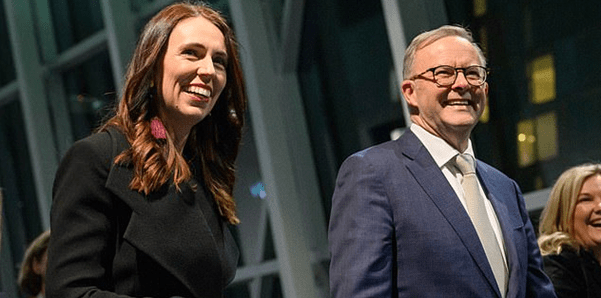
point(486, 89)
point(408, 90)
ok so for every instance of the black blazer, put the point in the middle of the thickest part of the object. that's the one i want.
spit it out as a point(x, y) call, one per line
point(574, 274)
point(110, 241)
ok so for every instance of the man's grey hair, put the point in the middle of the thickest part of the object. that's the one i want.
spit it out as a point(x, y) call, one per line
point(426, 38)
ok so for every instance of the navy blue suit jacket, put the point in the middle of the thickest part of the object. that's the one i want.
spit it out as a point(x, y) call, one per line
point(397, 229)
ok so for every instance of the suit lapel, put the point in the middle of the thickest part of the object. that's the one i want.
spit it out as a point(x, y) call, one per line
point(507, 228)
point(429, 176)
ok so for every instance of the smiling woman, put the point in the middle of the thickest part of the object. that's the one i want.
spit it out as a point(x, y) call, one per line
point(141, 207)
point(192, 75)
point(570, 233)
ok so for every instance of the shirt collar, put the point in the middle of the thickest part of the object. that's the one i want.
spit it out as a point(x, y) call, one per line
point(439, 149)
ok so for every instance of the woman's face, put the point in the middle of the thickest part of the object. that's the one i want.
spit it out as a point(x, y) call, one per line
point(587, 213)
point(193, 73)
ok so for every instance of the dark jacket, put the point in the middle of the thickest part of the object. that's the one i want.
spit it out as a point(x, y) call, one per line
point(574, 274)
point(108, 240)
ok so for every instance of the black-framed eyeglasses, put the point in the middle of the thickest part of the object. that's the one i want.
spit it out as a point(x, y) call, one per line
point(445, 75)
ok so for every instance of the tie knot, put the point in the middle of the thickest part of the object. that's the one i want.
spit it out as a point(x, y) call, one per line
point(465, 164)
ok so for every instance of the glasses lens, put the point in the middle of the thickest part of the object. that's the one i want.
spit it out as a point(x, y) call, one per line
point(475, 75)
point(444, 75)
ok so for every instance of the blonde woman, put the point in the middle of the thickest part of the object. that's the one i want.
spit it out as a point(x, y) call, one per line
point(570, 233)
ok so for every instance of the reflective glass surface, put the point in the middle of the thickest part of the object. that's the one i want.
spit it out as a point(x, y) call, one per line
point(138, 5)
point(270, 287)
point(275, 8)
point(75, 20)
point(21, 222)
point(544, 93)
point(347, 83)
point(7, 67)
point(90, 94)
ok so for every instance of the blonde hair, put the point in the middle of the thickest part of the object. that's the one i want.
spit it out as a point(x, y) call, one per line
point(426, 38)
point(556, 227)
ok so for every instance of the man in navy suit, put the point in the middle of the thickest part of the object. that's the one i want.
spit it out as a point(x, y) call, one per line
point(400, 226)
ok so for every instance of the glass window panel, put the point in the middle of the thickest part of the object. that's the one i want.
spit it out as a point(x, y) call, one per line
point(7, 67)
point(90, 93)
point(542, 79)
point(239, 290)
point(138, 5)
point(526, 139)
point(267, 286)
point(546, 131)
point(271, 287)
point(20, 208)
point(535, 218)
point(144, 14)
point(519, 51)
point(483, 42)
point(254, 234)
point(75, 20)
point(344, 73)
point(538, 183)
point(479, 8)
point(275, 9)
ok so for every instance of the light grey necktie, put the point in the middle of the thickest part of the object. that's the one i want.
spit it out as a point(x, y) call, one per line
point(480, 219)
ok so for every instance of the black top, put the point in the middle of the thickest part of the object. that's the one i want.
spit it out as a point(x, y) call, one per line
point(110, 241)
point(574, 274)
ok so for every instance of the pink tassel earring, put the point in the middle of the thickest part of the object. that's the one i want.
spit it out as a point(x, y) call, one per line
point(158, 129)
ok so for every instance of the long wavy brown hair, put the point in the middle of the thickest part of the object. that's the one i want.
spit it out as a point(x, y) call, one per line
point(213, 143)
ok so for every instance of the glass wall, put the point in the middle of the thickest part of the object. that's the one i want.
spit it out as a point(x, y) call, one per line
point(544, 94)
point(21, 221)
point(75, 20)
point(6, 58)
point(348, 83)
point(20, 213)
point(90, 93)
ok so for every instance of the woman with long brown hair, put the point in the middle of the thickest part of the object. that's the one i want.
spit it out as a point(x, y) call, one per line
point(141, 207)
